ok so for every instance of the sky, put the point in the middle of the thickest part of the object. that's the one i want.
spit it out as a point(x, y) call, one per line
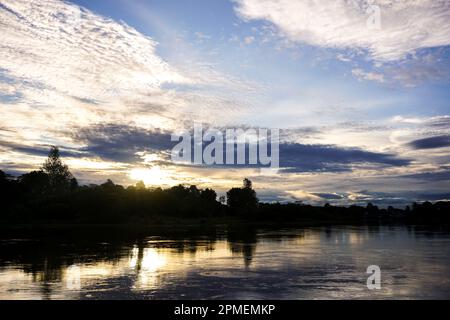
point(359, 90)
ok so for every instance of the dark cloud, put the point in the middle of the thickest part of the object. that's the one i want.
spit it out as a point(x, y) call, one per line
point(433, 196)
point(294, 134)
point(329, 196)
point(296, 157)
point(38, 150)
point(121, 142)
point(442, 121)
point(427, 176)
point(431, 143)
point(398, 199)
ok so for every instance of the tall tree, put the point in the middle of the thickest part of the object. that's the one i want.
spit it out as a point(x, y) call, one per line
point(60, 178)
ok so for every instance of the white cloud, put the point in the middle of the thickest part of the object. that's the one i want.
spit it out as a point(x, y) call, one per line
point(7, 89)
point(436, 122)
point(63, 67)
point(201, 36)
point(405, 25)
point(419, 69)
point(343, 58)
point(249, 39)
point(364, 75)
point(54, 44)
point(66, 59)
point(303, 196)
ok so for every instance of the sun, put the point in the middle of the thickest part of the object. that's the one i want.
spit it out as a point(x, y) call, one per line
point(150, 176)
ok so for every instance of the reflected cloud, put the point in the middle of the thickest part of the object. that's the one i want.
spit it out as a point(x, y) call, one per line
point(228, 264)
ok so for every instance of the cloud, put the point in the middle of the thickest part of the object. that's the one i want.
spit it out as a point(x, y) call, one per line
point(429, 176)
point(122, 143)
point(409, 72)
point(437, 125)
point(201, 36)
point(68, 61)
point(55, 43)
point(398, 199)
point(303, 195)
point(329, 196)
point(31, 150)
point(343, 58)
point(295, 157)
point(411, 134)
point(7, 89)
point(405, 26)
point(431, 142)
point(364, 75)
point(249, 39)
point(427, 66)
point(99, 89)
point(439, 122)
point(64, 68)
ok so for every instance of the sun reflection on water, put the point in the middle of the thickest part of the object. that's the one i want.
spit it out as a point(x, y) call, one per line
point(291, 265)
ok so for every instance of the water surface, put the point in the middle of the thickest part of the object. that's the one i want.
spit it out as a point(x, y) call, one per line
point(225, 263)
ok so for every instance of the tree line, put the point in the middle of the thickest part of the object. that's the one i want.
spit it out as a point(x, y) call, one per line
point(52, 194)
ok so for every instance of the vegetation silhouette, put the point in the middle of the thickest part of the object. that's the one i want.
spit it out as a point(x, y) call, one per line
point(52, 195)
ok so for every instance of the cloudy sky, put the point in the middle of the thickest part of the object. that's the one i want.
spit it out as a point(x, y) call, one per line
point(359, 89)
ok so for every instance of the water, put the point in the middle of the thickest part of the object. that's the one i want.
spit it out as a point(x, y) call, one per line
point(224, 263)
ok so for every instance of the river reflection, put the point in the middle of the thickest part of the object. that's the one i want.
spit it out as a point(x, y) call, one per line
point(224, 263)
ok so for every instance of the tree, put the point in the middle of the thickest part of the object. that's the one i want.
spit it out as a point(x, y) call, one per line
point(8, 190)
point(59, 176)
point(242, 199)
point(5, 180)
point(140, 185)
point(209, 195)
point(247, 184)
point(34, 183)
point(108, 185)
point(193, 190)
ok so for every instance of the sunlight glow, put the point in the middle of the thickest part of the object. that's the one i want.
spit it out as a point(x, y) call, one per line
point(151, 259)
point(152, 176)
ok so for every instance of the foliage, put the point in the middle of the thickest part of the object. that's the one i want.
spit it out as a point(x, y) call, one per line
point(59, 177)
point(242, 200)
point(52, 195)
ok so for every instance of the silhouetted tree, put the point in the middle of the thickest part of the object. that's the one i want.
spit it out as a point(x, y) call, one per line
point(242, 199)
point(34, 183)
point(372, 211)
point(193, 190)
point(108, 185)
point(208, 195)
point(247, 184)
point(140, 185)
point(32, 197)
point(3, 176)
point(59, 176)
point(5, 181)
point(8, 191)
